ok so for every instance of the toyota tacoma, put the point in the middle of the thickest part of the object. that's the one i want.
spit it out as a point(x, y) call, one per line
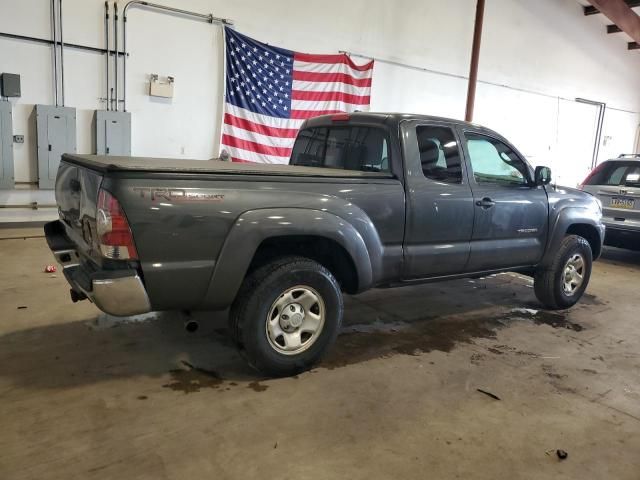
point(369, 200)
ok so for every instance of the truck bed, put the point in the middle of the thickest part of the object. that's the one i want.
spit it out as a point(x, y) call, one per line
point(104, 164)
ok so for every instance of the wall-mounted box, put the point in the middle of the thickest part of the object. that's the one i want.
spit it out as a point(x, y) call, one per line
point(10, 85)
point(6, 146)
point(113, 132)
point(56, 128)
point(161, 89)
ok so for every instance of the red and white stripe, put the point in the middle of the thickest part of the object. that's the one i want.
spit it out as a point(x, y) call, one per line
point(322, 84)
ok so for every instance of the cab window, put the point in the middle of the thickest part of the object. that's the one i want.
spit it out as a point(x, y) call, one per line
point(349, 148)
point(492, 161)
point(439, 154)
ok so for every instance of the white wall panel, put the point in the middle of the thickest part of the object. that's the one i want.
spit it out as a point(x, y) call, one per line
point(546, 45)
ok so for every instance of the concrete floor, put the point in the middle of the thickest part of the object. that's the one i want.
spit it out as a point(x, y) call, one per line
point(83, 396)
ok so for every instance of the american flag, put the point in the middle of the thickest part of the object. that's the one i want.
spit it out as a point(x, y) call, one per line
point(270, 91)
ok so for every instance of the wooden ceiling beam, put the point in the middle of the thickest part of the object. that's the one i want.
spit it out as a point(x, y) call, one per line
point(591, 10)
point(620, 13)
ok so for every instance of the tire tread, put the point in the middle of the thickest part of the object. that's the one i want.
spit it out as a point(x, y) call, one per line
point(252, 282)
point(545, 279)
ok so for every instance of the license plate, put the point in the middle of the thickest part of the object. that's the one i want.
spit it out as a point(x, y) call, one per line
point(622, 202)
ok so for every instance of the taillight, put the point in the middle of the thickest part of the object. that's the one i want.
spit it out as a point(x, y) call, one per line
point(591, 174)
point(114, 234)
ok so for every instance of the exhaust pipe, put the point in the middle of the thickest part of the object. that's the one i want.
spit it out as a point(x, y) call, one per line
point(77, 296)
point(191, 325)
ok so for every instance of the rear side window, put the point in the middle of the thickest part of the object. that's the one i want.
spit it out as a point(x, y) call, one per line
point(439, 154)
point(348, 148)
point(616, 173)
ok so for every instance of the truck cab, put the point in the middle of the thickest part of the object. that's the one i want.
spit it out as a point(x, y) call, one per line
point(473, 202)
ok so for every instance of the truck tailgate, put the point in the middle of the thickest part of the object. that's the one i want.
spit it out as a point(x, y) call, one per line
point(76, 195)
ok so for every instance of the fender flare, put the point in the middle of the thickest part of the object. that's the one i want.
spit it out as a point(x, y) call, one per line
point(565, 218)
point(255, 226)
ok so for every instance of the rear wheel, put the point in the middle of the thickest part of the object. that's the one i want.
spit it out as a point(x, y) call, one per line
point(286, 316)
point(563, 283)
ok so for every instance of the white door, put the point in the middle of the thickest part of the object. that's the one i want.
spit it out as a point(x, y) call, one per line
point(577, 126)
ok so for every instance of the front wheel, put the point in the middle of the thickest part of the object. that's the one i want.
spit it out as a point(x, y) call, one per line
point(286, 316)
point(563, 283)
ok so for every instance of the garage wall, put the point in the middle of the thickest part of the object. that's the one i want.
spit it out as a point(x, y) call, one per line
point(536, 57)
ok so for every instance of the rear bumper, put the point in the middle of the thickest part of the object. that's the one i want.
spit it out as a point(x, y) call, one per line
point(119, 292)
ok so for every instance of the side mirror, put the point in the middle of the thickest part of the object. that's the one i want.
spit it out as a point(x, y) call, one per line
point(542, 176)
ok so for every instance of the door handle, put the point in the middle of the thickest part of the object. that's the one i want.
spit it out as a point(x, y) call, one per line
point(485, 203)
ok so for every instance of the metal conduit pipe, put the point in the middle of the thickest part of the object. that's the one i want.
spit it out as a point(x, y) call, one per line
point(48, 41)
point(162, 9)
point(115, 47)
point(55, 51)
point(106, 41)
point(61, 52)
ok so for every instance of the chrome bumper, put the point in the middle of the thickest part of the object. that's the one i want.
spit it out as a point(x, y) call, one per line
point(120, 296)
point(116, 292)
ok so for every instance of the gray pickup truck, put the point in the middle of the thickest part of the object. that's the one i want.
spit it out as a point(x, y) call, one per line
point(369, 200)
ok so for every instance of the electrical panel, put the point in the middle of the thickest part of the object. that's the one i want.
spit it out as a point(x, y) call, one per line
point(10, 84)
point(6, 146)
point(113, 132)
point(56, 128)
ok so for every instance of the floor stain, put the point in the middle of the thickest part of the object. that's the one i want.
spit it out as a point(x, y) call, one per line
point(418, 337)
point(193, 379)
point(475, 358)
point(589, 299)
point(257, 386)
point(514, 351)
point(356, 344)
point(556, 320)
point(551, 373)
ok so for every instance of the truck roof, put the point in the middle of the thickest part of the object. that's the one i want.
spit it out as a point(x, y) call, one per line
point(388, 117)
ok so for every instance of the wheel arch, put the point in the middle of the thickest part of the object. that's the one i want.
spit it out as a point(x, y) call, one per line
point(573, 221)
point(590, 234)
point(326, 251)
point(260, 235)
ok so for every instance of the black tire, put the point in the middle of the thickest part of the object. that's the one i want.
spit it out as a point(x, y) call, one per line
point(548, 282)
point(259, 292)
